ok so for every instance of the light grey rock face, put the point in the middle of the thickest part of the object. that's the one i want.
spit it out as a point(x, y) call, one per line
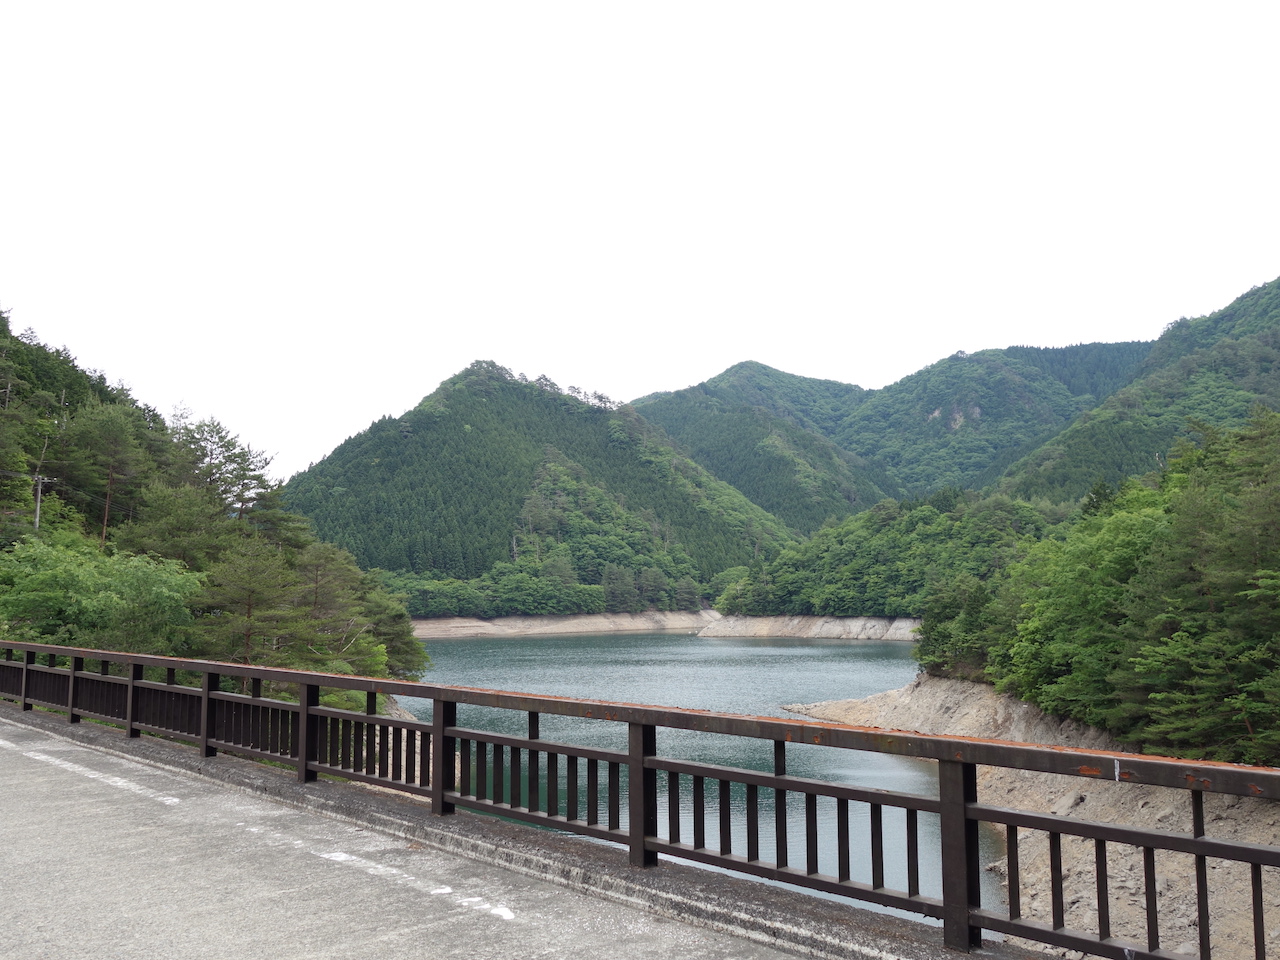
point(816, 628)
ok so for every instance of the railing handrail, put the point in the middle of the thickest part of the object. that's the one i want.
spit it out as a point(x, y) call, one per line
point(1207, 776)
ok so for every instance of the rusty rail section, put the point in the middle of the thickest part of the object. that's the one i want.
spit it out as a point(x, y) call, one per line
point(614, 795)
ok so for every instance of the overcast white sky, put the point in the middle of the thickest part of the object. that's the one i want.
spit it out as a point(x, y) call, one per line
point(299, 217)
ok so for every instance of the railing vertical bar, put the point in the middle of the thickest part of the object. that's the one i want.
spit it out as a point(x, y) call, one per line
point(375, 760)
point(208, 709)
point(571, 808)
point(397, 754)
point(553, 784)
point(308, 728)
point(443, 716)
point(410, 756)
point(593, 791)
point(642, 793)
point(673, 806)
point(877, 846)
point(843, 844)
point(615, 795)
point(28, 661)
point(753, 822)
point(345, 743)
point(699, 813)
point(726, 819)
point(1202, 876)
point(780, 804)
point(1104, 888)
point(482, 770)
point(811, 833)
point(133, 671)
point(957, 788)
point(533, 768)
point(1055, 878)
point(913, 853)
point(73, 682)
point(357, 746)
point(1153, 916)
point(1259, 931)
point(1014, 872)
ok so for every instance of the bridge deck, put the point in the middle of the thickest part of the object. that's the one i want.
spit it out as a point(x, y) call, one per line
point(116, 848)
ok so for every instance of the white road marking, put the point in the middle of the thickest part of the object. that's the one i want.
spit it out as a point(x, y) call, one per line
point(118, 782)
point(399, 876)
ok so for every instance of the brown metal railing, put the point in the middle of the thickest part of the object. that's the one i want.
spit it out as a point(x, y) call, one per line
point(614, 795)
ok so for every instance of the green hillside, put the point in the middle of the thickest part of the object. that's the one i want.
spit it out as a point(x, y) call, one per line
point(796, 474)
point(1213, 370)
point(447, 489)
point(946, 424)
point(817, 405)
point(960, 422)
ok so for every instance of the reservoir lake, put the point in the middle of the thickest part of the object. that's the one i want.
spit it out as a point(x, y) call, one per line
point(751, 676)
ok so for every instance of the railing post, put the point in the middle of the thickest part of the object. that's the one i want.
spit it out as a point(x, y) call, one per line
point(308, 730)
point(77, 664)
point(642, 792)
point(131, 701)
point(444, 750)
point(208, 704)
point(958, 787)
point(28, 661)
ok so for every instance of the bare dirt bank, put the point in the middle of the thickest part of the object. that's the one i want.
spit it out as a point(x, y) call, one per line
point(815, 628)
point(654, 621)
point(957, 707)
point(705, 623)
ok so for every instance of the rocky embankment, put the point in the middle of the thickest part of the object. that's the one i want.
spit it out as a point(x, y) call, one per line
point(960, 708)
point(653, 621)
point(815, 628)
point(705, 623)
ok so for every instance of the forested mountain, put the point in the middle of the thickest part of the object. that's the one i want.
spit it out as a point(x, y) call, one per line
point(1212, 370)
point(958, 422)
point(947, 424)
point(796, 474)
point(493, 469)
point(166, 538)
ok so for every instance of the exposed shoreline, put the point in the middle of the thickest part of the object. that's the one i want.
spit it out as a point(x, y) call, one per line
point(704, 623)
point(654, 621)
point(962, 708)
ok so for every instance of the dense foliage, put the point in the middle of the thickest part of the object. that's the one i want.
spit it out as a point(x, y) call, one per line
point(891, 560)
point(1134, 430)
point(445, 491)
point(1155, 615)
point(797, 475)
point(948, 423)
point(816, 405)
point(576, 550)
point(167, 538)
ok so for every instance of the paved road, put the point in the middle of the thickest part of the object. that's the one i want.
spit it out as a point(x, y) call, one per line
point(109, 858)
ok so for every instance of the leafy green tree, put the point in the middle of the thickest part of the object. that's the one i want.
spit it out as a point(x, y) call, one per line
point(68, 591)
point(620, 594)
